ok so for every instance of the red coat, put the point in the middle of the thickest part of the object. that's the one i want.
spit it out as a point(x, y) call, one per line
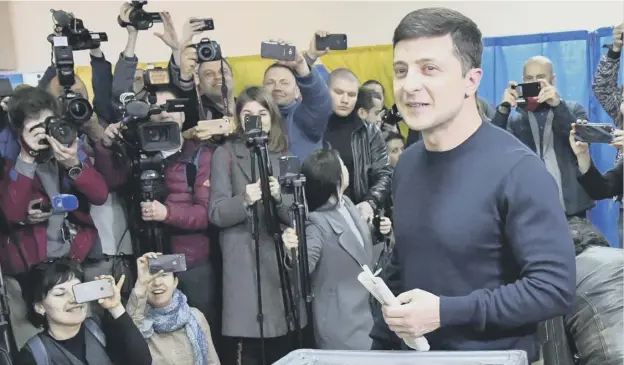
point(16, 193)
point(187, 212)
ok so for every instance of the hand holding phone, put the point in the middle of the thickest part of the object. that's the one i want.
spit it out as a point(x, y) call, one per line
point(93, 290)
point(215, 127)
point(167, 263)
point(278, 51)
point(334, 42)
point(594, 132)
point(528, 90)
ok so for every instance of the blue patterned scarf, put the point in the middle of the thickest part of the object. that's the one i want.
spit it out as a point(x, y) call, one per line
point(173, 317)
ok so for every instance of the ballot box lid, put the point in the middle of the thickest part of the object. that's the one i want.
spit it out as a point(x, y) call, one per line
point(328, 357)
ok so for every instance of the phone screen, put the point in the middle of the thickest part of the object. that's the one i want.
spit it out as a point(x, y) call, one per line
point(288, 165)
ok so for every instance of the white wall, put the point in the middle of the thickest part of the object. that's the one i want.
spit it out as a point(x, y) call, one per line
point(242, 25)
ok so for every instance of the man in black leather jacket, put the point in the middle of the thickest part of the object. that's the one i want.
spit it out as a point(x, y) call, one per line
point(360, 144)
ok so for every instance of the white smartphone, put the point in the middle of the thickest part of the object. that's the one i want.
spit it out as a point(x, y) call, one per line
point(93, 290)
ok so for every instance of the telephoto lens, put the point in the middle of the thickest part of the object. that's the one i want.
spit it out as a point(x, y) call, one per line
point(61, 130)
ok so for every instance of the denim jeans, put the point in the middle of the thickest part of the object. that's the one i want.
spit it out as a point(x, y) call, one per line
point(596, 321)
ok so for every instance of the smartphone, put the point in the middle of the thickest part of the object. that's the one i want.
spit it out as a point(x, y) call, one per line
point(289, 165)
point(208, 24)
point(594, 132)
point(278, 51)
point(335, 42)
point(528, 90)
point(44, 207)
point(253, 123)
point(93, 290)
point(216, 127)
point(167, 263)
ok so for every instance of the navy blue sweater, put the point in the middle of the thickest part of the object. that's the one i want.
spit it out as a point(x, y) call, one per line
point(482, 227)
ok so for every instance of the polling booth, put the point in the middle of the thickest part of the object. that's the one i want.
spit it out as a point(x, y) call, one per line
point(575, 56)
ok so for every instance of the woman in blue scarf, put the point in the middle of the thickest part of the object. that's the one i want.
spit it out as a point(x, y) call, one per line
point(176, 333)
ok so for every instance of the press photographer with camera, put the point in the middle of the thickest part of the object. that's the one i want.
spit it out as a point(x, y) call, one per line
point(339, 242)
point(49, 163)
point(205, 76)
point(233, 197)
point(303, 99)
point(183, 214)
point(69, 336)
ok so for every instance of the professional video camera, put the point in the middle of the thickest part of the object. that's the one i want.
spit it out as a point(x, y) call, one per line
point(208, 51)
point(139, 18)
point(79, 38)
point(391, 116)
point(142, 134)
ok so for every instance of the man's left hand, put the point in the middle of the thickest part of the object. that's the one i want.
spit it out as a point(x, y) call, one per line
point(548, 94)
point(418, 314)
point(367, 210)
point(66, 156)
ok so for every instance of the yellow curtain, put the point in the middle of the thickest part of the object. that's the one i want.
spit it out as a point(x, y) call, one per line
point(371, 62)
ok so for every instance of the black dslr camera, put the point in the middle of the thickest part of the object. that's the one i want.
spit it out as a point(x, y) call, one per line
point(78, 37)
point(139, 18)
point(139, 131)
point(76, 110)
point(207, 50)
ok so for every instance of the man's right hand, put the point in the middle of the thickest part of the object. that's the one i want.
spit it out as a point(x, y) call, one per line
point(124, 15)
point(110, 134)
point(510, 95)
point(36, 216)
point(188, 61)
point(617, 37)
point(253, 193)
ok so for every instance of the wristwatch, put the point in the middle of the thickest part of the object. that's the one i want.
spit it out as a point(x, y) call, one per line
point(74, 172)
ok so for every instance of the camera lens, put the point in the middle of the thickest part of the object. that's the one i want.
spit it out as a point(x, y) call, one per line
point(153, 135)
point(79, 110)
point(62, 131)
point(206, 52)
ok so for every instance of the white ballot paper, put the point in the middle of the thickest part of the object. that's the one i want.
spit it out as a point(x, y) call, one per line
point(378, 288)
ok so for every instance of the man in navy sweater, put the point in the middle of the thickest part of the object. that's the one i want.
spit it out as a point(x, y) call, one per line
point(483, 250)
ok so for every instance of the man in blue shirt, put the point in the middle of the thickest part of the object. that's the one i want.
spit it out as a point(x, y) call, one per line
point(483, 250)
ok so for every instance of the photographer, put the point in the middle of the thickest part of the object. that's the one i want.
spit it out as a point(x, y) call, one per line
point(303, 99)
point(214, 77)
point(45, 168)
point(597, 185)
point(339, 242)
point(233, 195)
point(184, 212)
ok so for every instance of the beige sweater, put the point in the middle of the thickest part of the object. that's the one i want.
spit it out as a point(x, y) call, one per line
point(171, 348)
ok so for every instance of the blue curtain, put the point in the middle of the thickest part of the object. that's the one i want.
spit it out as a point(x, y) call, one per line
point(575, 56)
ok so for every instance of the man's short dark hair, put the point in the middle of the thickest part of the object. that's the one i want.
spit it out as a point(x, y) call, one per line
point(375, 82)
point(584, 234)
point(365, 99)
point(342, 73)
point(438, 22)
point(391, 136)
point(29, 102)
point(323, 174)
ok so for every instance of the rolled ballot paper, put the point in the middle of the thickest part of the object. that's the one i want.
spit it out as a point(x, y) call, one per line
point(378, 288)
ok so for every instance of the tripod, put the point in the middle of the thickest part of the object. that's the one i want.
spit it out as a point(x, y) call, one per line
point(260, 160)
point(299, 209)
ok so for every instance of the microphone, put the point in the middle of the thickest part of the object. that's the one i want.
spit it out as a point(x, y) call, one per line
point(61, 203)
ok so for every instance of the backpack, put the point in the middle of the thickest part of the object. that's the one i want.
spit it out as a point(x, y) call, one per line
point(40, 354)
